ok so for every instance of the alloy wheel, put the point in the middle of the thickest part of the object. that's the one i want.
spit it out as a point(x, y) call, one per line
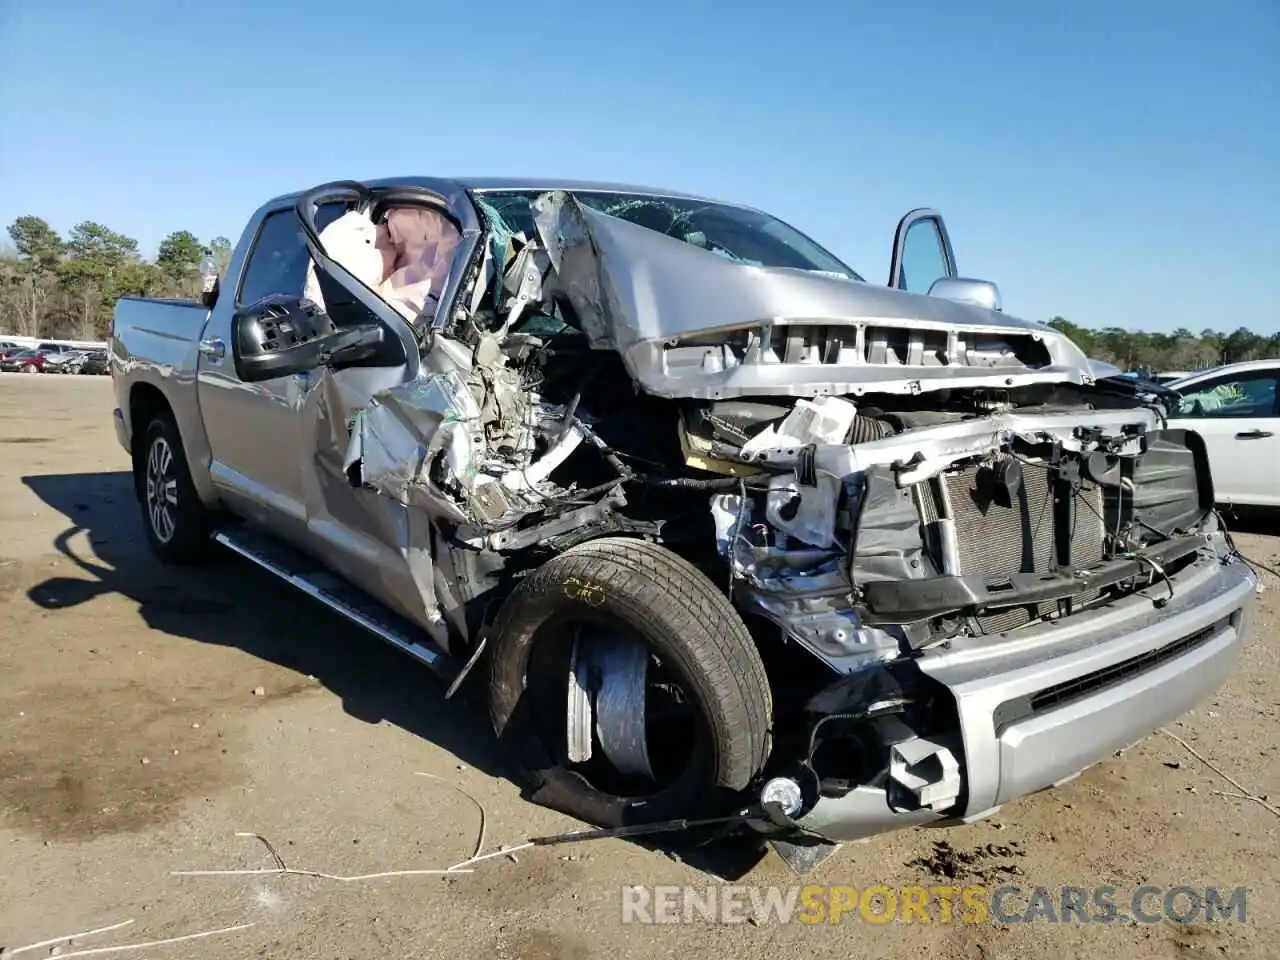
point(162, 490)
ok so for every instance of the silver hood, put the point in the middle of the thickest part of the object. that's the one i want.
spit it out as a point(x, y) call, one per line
point(690, 323)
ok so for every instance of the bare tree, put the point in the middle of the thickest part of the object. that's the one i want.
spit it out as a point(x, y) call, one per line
point(88, 305)
point(33, 294)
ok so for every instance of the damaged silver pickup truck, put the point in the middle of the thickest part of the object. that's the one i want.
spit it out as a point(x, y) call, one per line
point(732, 530)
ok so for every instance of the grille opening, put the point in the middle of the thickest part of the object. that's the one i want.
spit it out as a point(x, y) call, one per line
point(1069, 691)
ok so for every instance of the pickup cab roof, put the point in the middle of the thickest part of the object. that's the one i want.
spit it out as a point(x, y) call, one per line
point(450, 185)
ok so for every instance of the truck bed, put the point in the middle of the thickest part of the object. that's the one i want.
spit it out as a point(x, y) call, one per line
point(167, 319)
point(155, 342)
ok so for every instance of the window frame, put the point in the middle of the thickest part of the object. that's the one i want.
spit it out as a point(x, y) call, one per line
point(903, 230)
point(1210, 383)
point(247, 263)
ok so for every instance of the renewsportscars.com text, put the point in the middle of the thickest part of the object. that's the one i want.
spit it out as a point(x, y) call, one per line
point(941, 904)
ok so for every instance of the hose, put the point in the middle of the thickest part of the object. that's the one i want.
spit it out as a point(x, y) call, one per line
point(690, 483)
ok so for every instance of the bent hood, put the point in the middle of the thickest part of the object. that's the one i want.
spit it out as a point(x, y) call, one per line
point(690, 323)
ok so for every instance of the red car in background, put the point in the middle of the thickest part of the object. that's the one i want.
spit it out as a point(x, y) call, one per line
point(22, 360)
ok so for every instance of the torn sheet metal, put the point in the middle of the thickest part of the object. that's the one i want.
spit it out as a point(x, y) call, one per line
point(581, 276)
point(690, 323)
point(332, 504)
point(498, 253)
point(409, 436)
point(465, 447)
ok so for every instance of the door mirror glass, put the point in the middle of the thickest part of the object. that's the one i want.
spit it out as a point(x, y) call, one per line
point(281, 335)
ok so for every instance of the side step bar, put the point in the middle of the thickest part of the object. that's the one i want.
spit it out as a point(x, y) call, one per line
point(299, 570)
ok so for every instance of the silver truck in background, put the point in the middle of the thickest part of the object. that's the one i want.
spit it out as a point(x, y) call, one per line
point(733, 530)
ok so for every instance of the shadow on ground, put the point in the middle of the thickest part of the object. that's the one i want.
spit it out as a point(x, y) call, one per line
point(231, 602)
point(1260, 520)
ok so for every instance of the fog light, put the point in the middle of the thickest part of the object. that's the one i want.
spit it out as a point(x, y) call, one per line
point(785, 792)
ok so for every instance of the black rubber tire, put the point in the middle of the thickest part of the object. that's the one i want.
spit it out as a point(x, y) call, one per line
point(689, 623)
point(192, 522)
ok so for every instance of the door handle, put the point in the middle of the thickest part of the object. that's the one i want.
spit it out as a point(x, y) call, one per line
point(213, 348)
point(1253, 435)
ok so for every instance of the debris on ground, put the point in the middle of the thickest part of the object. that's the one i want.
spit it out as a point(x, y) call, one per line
point(1244, 792)
point(985, 864)
point(56, 943)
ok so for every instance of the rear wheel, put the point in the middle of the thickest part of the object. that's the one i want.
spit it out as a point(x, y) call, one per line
point(30, 368)
point(626, 687)
point(178, 524)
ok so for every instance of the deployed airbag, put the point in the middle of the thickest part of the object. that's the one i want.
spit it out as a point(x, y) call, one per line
point(405, 259)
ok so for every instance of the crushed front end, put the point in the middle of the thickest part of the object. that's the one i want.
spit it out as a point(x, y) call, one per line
point(1008, 589)
point(974, 570)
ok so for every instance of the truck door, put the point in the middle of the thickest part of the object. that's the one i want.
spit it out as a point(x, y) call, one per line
point(253, 427)
point(922, 252)
point(373, 540)
point(1238, 416)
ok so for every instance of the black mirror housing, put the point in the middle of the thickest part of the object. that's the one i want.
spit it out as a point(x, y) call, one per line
point(280, 335)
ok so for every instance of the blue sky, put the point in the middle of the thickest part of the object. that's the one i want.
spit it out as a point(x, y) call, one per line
point(1117, 163)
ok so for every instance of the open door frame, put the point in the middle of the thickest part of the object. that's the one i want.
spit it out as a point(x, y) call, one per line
point(900, 240)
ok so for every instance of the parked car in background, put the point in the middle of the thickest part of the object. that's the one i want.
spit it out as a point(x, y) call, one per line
point(1235, 409)
point(67, 361)
point(95, 363)
point(23, 361)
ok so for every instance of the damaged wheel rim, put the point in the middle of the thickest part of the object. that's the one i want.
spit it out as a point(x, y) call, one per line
point(625, 721)
point(162, 490)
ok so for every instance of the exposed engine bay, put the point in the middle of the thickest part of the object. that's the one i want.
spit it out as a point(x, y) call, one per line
point(864, 526)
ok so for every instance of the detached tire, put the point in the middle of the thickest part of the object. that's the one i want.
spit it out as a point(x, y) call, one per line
point(178, 524)
point(695, 635)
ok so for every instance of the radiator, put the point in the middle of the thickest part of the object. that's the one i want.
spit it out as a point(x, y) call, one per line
point(994, 541)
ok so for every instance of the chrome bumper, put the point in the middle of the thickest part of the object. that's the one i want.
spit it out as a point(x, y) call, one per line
point(1038, 706)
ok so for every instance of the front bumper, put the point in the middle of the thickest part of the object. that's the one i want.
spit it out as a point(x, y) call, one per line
point(1038, 706)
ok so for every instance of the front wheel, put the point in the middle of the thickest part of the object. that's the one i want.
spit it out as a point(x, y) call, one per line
point(30, 368)
point(626, 687)
point(178, 524)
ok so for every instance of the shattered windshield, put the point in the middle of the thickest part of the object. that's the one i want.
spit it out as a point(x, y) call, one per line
point(735, 233)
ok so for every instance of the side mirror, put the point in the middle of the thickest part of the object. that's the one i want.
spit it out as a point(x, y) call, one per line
point(982, 293)
point(279, 336)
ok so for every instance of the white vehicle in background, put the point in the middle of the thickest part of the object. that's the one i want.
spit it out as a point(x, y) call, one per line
point(1234, 408)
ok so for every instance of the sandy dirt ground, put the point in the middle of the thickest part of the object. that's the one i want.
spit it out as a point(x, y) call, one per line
point(148, 715)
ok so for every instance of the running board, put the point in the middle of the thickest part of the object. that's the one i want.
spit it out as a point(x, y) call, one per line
point(339, 595)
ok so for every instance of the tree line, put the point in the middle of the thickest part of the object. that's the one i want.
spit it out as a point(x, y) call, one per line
point(1179, 350)
point(65, 288)
point(55, 287)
